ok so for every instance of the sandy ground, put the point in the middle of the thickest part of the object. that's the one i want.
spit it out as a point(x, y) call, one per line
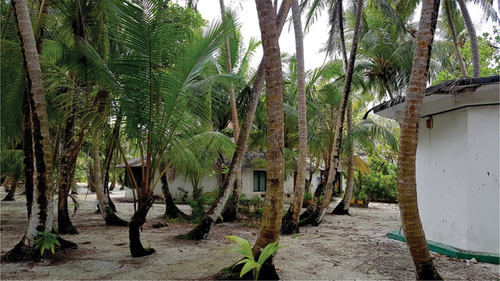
point(352, 247)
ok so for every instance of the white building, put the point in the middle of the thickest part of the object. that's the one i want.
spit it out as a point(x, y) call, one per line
point(253, 180)
point(458, 162)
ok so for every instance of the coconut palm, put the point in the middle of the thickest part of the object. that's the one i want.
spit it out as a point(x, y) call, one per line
point(291, 219)
point(271, 220)
point(407, 189)
point(212, 214)
point(41, 220)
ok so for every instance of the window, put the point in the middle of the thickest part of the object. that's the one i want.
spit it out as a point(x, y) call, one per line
point(259, 180)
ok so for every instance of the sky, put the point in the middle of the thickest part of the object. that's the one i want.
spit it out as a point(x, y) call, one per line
point(314, 38)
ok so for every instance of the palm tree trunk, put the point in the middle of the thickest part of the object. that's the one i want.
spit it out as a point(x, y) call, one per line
point(290, 223)
point(138, 220)
point(476, 63)
point(108, 215)
point(335, 160)
point(453, 33)
point(171, 210)
point(203, 228)
point(12, 191)
point(407, 186)
point(41, 218)
point(66, 175)
point(28, 151)
point(271, 219)
point(343, 207)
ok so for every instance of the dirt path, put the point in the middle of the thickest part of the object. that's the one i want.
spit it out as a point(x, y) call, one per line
point(343, 247)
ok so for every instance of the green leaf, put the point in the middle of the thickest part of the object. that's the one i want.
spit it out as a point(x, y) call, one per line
point(268, 251)
point(251, 264)
point(246, 248)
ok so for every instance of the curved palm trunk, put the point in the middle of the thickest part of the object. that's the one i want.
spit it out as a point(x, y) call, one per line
point(343, 207)
point(108, 215)
point(407, 186)
point(476, 63)
point(334, 160)
point(171, 210)
point(453, 32)
point(203, 228)
point(137, 221)
point(290, 223)
point(271, 219)
point(12, 191)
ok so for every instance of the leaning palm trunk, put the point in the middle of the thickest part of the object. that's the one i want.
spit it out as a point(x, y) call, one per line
point(453, 33)
point(271, 218)
point(171, 210)
point(407, 186)
point(290, 223)
point(66, 175)
point(12, 190)
point(41, 217)
point(335, 156)
point(137, 221)
point(107, 212)
point(343, 207)
point(231, 208)
point(203, 228)
point(476, 63)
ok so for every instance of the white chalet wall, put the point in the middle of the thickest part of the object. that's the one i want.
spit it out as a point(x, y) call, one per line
point(457, 176)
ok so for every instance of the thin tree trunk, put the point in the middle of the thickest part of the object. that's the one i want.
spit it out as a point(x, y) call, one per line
point(28, 151)
point(335, 160)
point(203, 228)
point(271, 219)
point(476, 63)
point(66, 175)
point(108, 215)
point(407, 186)
point(343, 207)
point(290, 223)
point(453, 33)
point(12, 191)
point(171, 210)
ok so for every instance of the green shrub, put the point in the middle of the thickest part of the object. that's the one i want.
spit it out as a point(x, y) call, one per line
point(46, 241)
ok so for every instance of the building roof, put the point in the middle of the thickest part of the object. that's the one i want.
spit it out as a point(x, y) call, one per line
point(452, 87)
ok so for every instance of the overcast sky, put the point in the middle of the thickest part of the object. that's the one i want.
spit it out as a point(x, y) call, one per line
point(314, 39)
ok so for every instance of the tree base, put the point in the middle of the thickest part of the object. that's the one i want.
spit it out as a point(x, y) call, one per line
point(21, 252)
point(8, 198)
point(267, 272)
point(199, 232)
point(113, 219)
point(339, 209)
point(139, 251)
point(69, 229)
point(287, 225)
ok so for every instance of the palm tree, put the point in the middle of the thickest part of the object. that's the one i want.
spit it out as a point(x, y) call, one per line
point(318, 215)
point(160, 79)
point(271, 219)
point(476, 63)
point(42, 212)
point(291, 219)
point(202, 229)
point(407, 187)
